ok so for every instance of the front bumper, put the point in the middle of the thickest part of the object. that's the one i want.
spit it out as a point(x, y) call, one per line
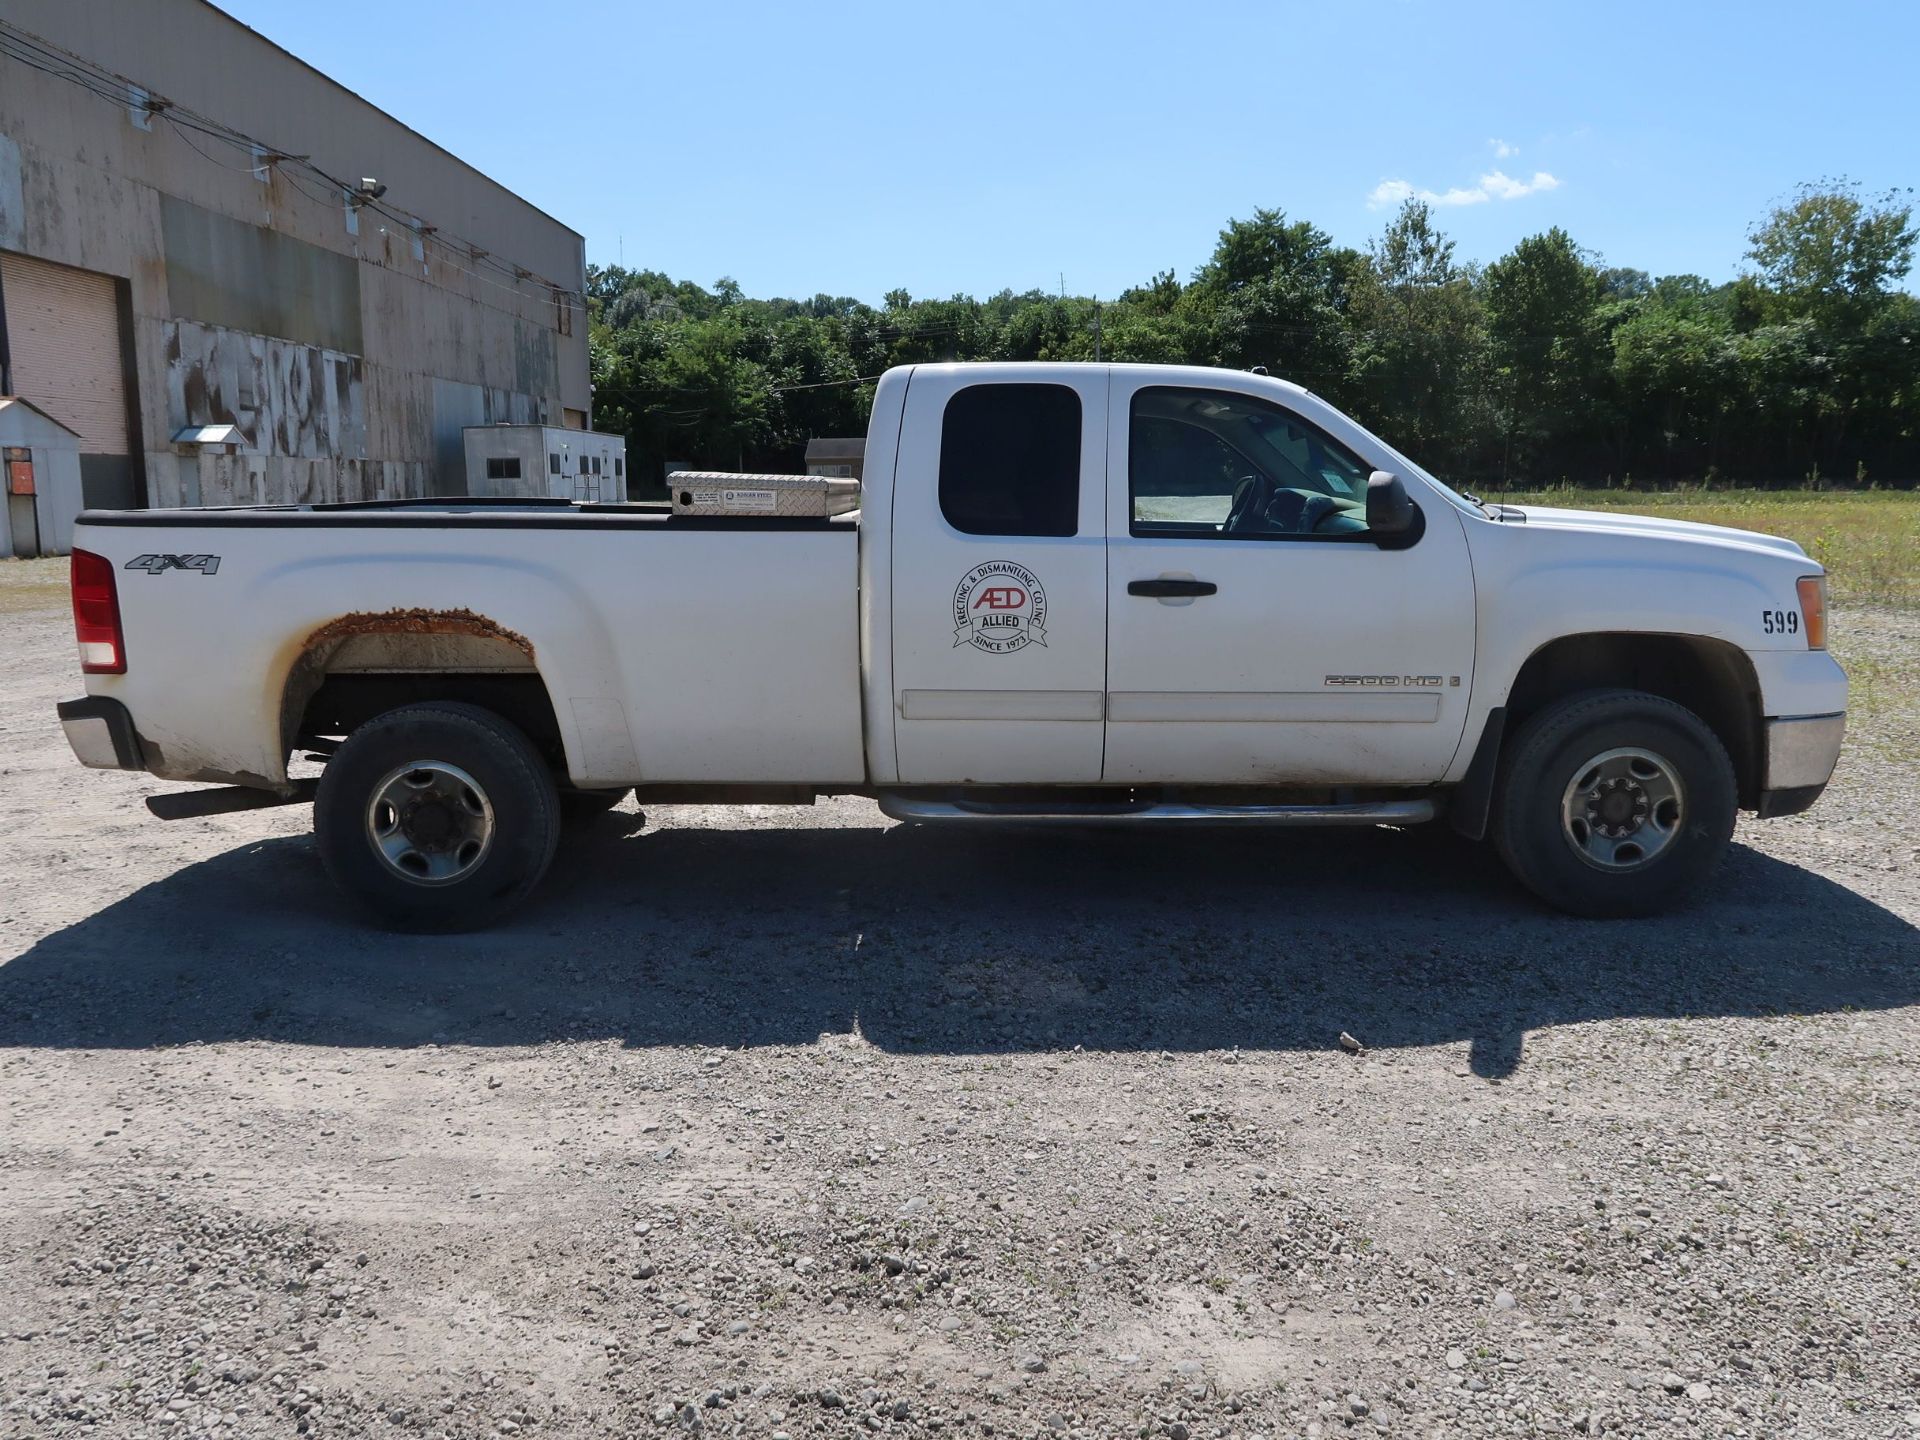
point(101, 734)
point(1801, 753)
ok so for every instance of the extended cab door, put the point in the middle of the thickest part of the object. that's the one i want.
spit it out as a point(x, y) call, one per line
point(1257, 634)
point(1000, 575)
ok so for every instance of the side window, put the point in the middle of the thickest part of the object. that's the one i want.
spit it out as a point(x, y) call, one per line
point(1010, 460)
point(1210, 463)
point(507, 469)
point(553, 462)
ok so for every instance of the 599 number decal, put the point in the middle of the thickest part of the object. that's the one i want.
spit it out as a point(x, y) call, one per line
point(1780, 622)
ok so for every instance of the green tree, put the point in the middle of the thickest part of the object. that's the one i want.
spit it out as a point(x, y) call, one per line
point(1829, 254)
point(1547, 346)
point(1275, 292)
point(1541, 365)
point(1417, 351)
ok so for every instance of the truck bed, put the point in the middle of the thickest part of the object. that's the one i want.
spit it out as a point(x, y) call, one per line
point(713, 650)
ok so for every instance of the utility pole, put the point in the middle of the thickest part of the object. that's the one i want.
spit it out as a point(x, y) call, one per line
point(1096, 329)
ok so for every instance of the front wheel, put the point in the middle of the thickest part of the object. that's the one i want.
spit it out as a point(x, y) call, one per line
point(437, 817)
point(1614, 803)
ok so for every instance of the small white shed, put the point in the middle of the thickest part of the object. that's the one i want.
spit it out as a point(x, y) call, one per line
point(40, 458)
point(548, 460)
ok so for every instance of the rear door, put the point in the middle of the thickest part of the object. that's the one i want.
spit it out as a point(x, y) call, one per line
point(1259, 636)
point(1000, 576)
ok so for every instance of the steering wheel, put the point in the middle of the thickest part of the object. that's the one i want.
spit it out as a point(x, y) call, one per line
point(1299, 512)
point(1251, 494)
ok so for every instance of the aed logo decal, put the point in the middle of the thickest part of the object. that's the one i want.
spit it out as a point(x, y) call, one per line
point(999, 606)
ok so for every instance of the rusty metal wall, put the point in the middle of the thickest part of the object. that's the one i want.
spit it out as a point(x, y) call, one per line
point(247, 277)
point(299, 401)
point(457, 406)
point(204, 248)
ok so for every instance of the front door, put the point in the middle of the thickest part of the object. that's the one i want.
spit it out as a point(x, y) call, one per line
point(1000, 576)
point(1257, 635)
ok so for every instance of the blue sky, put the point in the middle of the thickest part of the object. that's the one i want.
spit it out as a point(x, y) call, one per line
point(853, 148)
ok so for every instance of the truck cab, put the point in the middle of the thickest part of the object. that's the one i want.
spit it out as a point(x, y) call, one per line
point(1148, 575)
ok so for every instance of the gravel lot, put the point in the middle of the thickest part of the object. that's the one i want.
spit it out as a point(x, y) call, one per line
point(797, 1122)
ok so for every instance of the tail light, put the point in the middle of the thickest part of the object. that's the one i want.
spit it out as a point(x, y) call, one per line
point(1813, 610)
point(96, 615)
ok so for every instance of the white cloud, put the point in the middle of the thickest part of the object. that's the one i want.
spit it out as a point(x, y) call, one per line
point(1494, 185)
point(1502, 150)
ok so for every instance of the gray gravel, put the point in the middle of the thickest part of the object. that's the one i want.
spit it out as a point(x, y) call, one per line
point(794, 1122)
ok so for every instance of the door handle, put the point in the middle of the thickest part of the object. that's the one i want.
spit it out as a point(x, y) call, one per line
point(1167, 589)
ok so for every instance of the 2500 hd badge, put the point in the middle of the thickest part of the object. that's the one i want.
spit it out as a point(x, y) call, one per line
point(1392, 682)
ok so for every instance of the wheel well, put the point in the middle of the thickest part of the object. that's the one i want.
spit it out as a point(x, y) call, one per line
point(360, 666)
point(1712, 678)
point(343, 703)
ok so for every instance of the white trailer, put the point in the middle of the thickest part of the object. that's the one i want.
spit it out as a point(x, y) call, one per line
point(509, 461)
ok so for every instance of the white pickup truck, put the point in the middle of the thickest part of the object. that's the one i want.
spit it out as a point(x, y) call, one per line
point(1070, 594)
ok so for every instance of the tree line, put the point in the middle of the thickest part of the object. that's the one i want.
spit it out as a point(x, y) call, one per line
point(1545, 366)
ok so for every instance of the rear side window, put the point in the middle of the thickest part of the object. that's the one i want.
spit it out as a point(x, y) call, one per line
point(1010, 460)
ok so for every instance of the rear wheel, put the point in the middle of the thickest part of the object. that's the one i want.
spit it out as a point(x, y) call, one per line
point(437, 817)
point(1614, 803)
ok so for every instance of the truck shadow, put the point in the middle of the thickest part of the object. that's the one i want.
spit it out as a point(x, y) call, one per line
point(951, 942)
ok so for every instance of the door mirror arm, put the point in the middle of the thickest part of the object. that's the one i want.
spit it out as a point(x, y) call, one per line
point(1393, 521)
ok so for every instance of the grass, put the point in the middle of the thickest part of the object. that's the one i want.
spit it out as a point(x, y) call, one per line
point(1869, 540)
point(33, 584)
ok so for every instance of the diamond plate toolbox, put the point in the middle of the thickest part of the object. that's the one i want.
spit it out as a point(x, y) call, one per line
point(717, 492)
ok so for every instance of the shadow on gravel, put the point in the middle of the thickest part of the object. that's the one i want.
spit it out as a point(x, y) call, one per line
point(931, 941)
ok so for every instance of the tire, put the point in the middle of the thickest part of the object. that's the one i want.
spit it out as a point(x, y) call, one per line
point(1614, 803)
point(437, 817)
point(580, 806)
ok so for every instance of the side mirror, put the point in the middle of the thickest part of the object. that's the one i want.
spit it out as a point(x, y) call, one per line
point(1390, 510)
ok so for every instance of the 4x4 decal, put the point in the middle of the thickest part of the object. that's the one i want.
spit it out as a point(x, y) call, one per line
point(160, 564)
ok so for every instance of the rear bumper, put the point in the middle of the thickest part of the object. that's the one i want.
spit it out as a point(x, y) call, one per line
point(101, 734)
point(1801, 753)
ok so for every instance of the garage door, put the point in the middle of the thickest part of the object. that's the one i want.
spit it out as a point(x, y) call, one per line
point(63, 333)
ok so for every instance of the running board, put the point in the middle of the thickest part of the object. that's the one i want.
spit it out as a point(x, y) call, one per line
point(1366, 812)
point(225, 800)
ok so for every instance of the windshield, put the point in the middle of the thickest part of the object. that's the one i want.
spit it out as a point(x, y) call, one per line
point(1407, 465)
point(1304, 458)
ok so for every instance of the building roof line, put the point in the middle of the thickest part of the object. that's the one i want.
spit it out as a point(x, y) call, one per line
point(389, 115)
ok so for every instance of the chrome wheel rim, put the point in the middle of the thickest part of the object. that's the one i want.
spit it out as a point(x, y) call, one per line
point(430, 823)
point(1623, 809)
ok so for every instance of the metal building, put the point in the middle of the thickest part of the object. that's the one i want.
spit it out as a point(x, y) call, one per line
point(234, 280)
point(40, 461)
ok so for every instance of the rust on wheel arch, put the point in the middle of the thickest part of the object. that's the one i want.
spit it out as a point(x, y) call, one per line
point(414, 622)
point(309, 668)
